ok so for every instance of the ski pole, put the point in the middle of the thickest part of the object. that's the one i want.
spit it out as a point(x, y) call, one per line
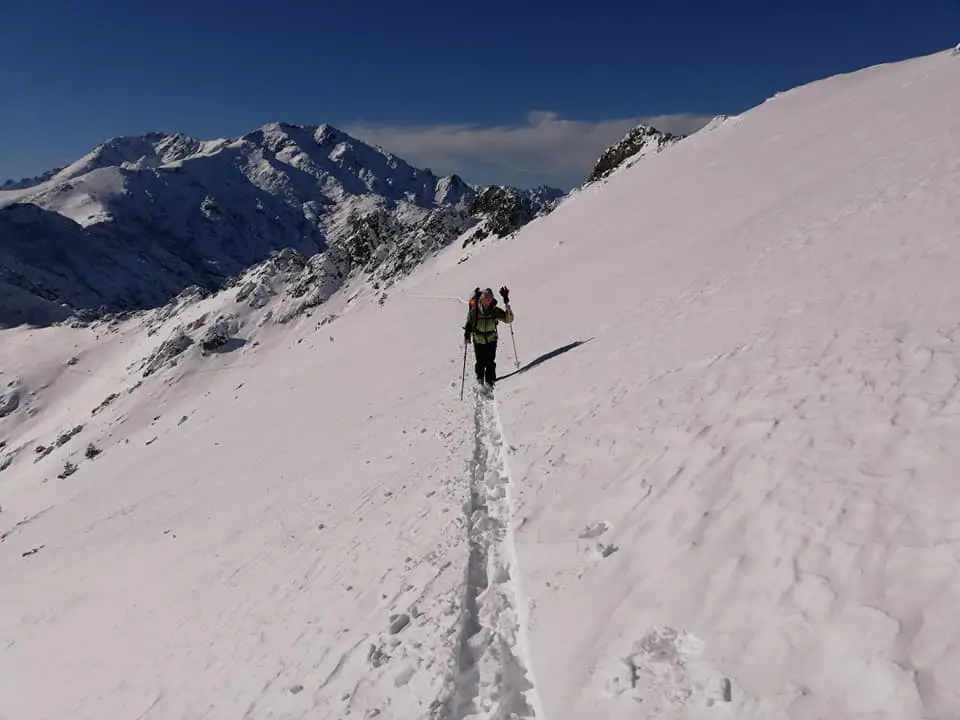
point(512, 337)
point(463, 376)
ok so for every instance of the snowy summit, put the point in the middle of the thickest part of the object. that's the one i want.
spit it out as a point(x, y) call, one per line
point(140, 219)
point(716, 479)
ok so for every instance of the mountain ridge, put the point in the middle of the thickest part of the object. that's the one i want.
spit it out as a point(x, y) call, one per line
point(156, 213)
point(640, 140)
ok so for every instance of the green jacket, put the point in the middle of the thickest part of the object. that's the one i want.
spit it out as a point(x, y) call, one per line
point(482, 324)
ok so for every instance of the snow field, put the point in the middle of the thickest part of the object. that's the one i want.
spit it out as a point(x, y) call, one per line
point(727, 490)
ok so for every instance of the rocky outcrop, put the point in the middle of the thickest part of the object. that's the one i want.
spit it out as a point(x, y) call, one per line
point(641, 140)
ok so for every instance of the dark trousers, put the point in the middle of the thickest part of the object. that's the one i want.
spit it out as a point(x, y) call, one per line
point(486, 367)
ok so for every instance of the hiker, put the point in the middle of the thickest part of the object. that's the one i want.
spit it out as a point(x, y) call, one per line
point(482, 319)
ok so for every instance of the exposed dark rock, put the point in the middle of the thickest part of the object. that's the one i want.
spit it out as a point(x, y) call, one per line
point(168, 351)
point(639, 139)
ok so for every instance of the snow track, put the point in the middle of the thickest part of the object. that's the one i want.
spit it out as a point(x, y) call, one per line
point(493, 678)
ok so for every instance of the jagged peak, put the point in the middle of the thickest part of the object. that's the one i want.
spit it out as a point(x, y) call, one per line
point(148, 138)
point(322, 134)
point(285, 128)
point(452, 181)
point(540, 191)
point(327, 134)
point(644, 133)
point(277, 135)
point(640, 138)
point(29, 182)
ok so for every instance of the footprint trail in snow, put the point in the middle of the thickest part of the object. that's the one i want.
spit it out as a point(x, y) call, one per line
point(493, 679)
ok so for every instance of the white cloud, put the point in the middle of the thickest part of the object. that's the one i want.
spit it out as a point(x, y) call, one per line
point(546, 148)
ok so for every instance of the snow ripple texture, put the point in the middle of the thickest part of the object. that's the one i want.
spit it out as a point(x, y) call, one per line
point(493, 678)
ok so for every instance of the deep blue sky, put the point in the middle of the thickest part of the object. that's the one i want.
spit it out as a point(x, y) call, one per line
point(74, 73)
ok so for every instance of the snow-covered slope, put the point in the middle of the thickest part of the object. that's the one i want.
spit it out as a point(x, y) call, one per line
point(148, 216)
point(723, 484)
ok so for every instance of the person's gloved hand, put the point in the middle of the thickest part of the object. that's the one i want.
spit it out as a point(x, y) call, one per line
point(505, 292)
point(466, 338)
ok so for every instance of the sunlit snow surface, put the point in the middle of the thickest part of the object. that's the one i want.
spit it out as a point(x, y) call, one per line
point(723, 485)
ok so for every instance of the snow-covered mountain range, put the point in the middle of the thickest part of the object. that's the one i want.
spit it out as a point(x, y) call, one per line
point(717, 477)
point(140, 219)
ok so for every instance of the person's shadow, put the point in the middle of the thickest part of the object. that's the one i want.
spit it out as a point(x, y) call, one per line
point(546, 356)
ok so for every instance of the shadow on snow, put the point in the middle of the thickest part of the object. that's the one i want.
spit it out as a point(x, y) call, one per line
point(546, 356)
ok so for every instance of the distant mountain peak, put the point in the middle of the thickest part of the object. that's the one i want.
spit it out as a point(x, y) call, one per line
point(26, 183)
point(327, 133)
point(642, 139)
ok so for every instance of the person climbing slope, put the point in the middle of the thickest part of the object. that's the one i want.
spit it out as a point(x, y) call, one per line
point(481, 326)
